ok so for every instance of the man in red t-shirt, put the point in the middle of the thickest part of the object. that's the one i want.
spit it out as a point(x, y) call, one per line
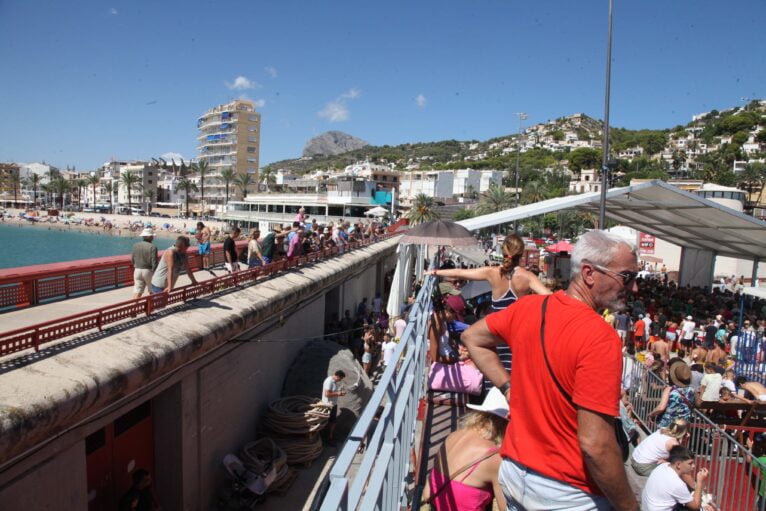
point(560, 450)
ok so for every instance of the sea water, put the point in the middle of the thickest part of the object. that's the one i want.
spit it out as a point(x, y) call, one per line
point(25, 245)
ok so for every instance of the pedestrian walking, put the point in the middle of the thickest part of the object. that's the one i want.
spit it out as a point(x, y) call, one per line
point(144, 260)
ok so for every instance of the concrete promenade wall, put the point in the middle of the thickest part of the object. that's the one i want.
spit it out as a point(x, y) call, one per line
point(206, 392)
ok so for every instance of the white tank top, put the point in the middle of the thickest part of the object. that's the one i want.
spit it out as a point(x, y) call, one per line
point(652, 448)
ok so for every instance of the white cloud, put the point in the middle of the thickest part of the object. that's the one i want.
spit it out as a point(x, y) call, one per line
point(242, 83)
point(271, 71)
point(337, 110)
point(259, 103)
point(113, 11)
point(420, 101)
point(169, 156)
point(352, 93)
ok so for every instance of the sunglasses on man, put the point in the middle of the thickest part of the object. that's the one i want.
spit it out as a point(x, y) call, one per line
point(628, 277)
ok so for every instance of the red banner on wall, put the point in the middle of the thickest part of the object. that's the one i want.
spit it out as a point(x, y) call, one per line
point(646, 244)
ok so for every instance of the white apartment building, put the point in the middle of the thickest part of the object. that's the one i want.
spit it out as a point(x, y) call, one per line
point(383, 176)
point(143, 195)
point(467, 181)
point(434, 183)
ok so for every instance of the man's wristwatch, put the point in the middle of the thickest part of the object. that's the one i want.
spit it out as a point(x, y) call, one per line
point(505, 387)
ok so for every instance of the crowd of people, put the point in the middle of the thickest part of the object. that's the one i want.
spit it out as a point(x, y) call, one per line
point(303, 236)
point(571, 437)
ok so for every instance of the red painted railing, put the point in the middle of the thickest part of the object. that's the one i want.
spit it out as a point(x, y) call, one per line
point(35, 335)
point(32, 285)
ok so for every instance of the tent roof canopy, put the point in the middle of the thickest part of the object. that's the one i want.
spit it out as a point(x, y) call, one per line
point(660, 209)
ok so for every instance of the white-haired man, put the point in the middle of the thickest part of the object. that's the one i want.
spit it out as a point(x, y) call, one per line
point(560, 450)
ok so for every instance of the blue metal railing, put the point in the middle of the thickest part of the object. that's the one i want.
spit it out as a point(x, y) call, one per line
point(375, 480)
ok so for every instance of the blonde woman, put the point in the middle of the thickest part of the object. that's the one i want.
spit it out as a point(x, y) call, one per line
point(655, 448)
point(509, 282)
point(464, 477)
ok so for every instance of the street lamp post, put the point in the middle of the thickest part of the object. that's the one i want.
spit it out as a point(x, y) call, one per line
point(522, 116)
point(605, 159)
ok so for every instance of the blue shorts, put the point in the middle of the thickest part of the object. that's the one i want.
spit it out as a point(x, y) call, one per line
point(156, 289)
point(204, 248)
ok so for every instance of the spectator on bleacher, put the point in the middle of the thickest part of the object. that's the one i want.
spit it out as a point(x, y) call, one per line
point(464, 477)
point(698, 372)
point(687, 332)
point(622, 325)
point(716, 355)
point(677, 399)
point(710, 386)
point(639, 329)
point(666, 488)
point(655, 448)
point(560, 450)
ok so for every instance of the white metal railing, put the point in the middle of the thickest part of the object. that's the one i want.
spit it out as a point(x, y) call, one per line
point(375, 480)
point(735, 475)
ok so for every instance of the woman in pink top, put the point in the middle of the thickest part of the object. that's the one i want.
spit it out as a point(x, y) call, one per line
point(464, 477)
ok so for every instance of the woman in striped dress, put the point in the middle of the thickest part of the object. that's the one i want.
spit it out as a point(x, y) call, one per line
point(509, 282)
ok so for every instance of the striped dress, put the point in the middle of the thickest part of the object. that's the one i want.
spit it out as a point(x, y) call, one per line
point(503, 351)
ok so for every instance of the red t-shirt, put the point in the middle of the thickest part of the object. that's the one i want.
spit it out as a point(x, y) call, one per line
point(639, 328)
point(585, 354)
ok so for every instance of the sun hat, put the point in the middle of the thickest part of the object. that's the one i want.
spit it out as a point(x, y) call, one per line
point(680, 375)
point(447, 288)
point(147, 232)
point(688, 318)
point(495, 403)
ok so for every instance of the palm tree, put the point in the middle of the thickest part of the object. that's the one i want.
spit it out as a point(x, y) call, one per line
point(243, 181)
point(149, 195)
point(227, 176)
point(108, 189)
point(82, 184)
point(93, 181)
point(268, 176)
point(534, 191)
point(186, 186)
point(14, 179)
point(60, 185)
point(129, 179)
point(422, 210)
point(34, 182)
point(201, 167)
point(494, 199)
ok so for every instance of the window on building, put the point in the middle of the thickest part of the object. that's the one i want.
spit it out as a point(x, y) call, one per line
point(335, 210)
point(251, 170)
point(252, 127)
point(252, 140)
point(251, 149)
point(149, 181)
point(252, 160)
point(253, 117)
point(291, 209)
point(357, 211)
point(316, 210)
point(276, 208)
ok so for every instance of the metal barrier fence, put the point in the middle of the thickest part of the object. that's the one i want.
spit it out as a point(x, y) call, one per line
point(33, 285)
point(735, 476)
point(35, 335)
point(749, 354)
point(376, 479)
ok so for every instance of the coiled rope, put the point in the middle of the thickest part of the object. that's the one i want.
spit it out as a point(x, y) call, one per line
point(294, 423)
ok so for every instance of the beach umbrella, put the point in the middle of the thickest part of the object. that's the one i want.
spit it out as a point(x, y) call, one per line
point(439, 232)
point(377, 211)
point(561, 246)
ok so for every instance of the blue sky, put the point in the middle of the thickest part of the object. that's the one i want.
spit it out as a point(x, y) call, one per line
point(84, 81)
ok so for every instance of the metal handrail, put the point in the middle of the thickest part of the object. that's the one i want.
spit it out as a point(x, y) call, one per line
point(376, 479)
point(735, 475)
point(35, 335)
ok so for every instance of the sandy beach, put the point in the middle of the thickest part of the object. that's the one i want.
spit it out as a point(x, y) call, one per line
point(121, 225)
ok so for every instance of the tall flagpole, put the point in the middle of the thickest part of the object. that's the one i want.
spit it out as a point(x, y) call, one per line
point(605, 159)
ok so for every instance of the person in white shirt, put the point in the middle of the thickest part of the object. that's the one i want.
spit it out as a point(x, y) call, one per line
point(377, 303)
point(710, 386)
point(399, 326)
point(665, 487)
point(655, 448)
point(388, 348)
point(330, 395)
point(687, 327)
